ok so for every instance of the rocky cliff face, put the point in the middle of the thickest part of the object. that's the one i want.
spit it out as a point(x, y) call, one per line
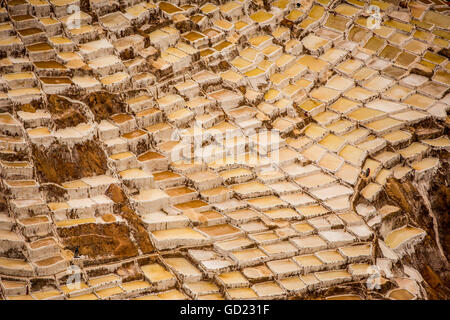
point(104, 104)
point(425, 203)
point(65, 112)
point(432, 214)
point(59, 163)
point(423, 269)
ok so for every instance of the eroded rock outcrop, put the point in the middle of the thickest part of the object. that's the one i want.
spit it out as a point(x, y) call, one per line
point(110, 240)
point(104, 104)
point(430, 258)
point(138, 229)
point(65, 112)
point(59, 163)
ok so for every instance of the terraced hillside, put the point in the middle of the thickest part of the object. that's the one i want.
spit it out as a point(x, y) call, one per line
point(224, 150)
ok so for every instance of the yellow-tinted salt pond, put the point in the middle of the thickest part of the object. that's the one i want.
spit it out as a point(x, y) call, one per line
point(13, 284)
point(308, 261)
point(42, 243)
point(168, 7)
point(261, 16)
point(303, 227)
point(122, 155)
point(55, 80)
point(425, 164)
point(155, 272)
point(401, 294)
point(103, 280)
point(75, 184)
point(106, 293)
point(40, 295)
point(164, 175)
point(311, 211)
point(49, 65)
point(10, 41)
point(74, 222)
point(178, 191)
point(38, 132)
point(220, 230)
point(269, 201)
point(18, 76)
point(208, 8)
point(248, 254)
point(21, 183)
point(242, 293)
point(114, 78)
point(178, 233)
point(15, 264)
point(193, 36)
point(194, 204)
point(42, 46)
point(401, 235)
point(135, 285)
point(182, 265)
point(345, 297)
point(233, 277)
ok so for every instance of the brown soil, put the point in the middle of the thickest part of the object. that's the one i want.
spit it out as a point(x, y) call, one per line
point(3, 204)
point(108, 218)
point(141, 147)
point(352, 288)
point(445, 52)
point(32, 106)
point(59, 164)
point(103, 104)
point(440, 202)
point(140, 233)
point(13, 254)
point(28, 108)
point(6, 119)
point(39, 284)
point(64, 112)
point(99, 240)
point(137, 227)
point(127, 54)
point(54, 192)
point(395, 190)
point(435, 271)
point(116, 194)
point(436, 289)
